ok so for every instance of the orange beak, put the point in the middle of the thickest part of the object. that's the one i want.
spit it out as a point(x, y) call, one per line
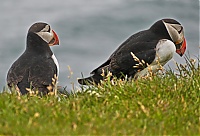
point(55, 39)
point(181, 47)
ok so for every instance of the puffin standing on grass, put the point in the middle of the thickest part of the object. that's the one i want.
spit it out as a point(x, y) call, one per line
point(148, 49)
point(36, 67)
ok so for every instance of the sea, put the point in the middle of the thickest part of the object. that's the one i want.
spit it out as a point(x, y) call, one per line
point(89, 30)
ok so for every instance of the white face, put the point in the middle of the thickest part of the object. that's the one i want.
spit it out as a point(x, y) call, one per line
point(45, 34)
point(175, 31)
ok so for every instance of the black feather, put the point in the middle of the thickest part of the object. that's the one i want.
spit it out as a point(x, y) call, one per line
point(121, 62)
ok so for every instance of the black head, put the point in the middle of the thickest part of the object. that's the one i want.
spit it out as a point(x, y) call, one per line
point(170, 21)
point(44, 31)
point(39, 26)
point(171, 30)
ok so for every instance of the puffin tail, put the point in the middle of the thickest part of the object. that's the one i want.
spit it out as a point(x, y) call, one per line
point(92, 80)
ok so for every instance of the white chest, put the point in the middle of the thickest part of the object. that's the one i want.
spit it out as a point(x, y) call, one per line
point(164, 52)
point(56, 62)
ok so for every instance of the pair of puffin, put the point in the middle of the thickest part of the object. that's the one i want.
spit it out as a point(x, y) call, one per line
point(36, 67)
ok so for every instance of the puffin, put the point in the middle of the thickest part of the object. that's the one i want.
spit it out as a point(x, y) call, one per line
point(143, 51)
point(36, 67)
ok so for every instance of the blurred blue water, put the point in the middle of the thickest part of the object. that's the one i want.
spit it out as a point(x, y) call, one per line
point(89, 30)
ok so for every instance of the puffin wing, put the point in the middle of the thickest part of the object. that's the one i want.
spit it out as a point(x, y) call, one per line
point(121, 61)
point(15, 74)
point(41, 74)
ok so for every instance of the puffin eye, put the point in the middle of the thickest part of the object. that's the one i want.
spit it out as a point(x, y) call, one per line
point(179, 28)
point(46, 29)
point(46, 33)
point(49, 29)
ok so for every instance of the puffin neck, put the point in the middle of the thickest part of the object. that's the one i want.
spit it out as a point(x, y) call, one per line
point(37, 44)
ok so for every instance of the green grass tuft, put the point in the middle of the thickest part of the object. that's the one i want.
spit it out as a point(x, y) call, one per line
point(159, 105)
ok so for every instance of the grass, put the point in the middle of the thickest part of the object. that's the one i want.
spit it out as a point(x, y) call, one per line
point(159, 105)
